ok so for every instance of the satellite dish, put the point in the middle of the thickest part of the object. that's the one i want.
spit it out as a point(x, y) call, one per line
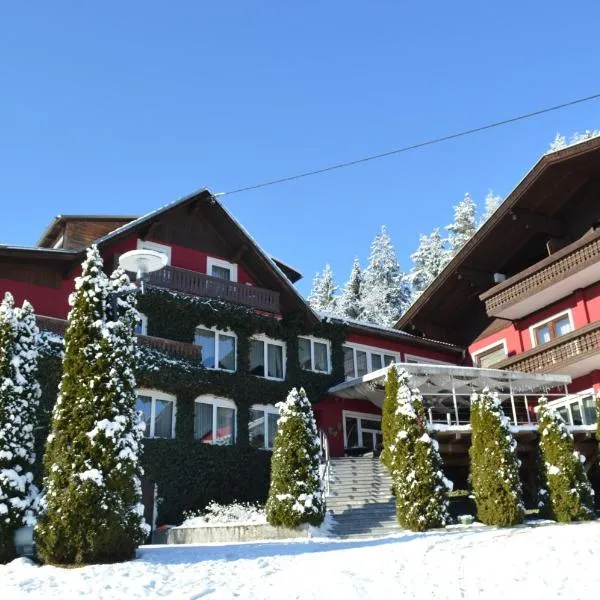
point(142, 262)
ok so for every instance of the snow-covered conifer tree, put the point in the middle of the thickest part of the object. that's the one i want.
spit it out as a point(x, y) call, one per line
point(385, 288)
point(492, 202)
point(428, 261)
point(296, 490)
point(419, 484)
point(91, 509)
point(388, 416)
point(350, 302)
point(464, 226)
point(565, 493)
point(560, 141)
point(19, 396)
point(494, 464)
point(322, 297)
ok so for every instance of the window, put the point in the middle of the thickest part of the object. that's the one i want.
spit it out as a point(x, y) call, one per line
point(267, 357)
point(578, 409)
point(221, 269)
point(214, 420)
point(158, 412)
point(156, 247)
point(490, 355)
point(217, 349)
point(263, 426)
point(314, 354)
point(141, 326)
point(550, 329)
point(360, 360)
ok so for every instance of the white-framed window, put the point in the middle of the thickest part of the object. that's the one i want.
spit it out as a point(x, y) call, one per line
point(551, 328)
point(491, 354)
point(156, 247)
point(423, 360)
point(218, 349)
point(262, 425)
point(362, 430)
point(314, 354)
point(577, 409)
point(360, 360)
point(221, 269)
point(141, 326)
point(267, 357)
point(214, 420)
point(158, 412)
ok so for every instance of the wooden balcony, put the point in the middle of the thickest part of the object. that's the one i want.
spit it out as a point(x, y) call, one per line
point(573, 267)
point(200, 284)
point(572, 354)
point(175, 348)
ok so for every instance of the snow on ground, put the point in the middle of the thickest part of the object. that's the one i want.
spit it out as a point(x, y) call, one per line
point(547, 562)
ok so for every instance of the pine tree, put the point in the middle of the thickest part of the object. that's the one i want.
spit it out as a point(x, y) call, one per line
point(494, 463)
point(296, 490)
point(428, 261)
point(492, 202)
point(419, 484)
point(386, 292)
point(388, 416)
point(560, 141)
point(19, 396)
point(91, 509)
point(565, 493)
point(322, 297)
point(350, 303)
point(464, 226)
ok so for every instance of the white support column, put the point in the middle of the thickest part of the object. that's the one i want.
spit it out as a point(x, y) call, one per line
point(512, 404)
point(527, 410)
point(430, 413)
point(455, 402)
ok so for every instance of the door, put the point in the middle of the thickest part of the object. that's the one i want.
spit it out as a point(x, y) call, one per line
point(362, 431)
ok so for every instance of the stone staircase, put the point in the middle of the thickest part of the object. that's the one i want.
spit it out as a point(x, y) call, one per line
point(360, 498)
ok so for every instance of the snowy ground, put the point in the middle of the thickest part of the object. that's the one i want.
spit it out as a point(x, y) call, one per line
point(555, 561)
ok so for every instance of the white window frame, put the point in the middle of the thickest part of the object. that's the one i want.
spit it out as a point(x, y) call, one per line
point(423, 360)
point(485, 349)
point(216, 402)
point(266, 409)
point(158, 395)
point(144, 323)
point(571, 399)
point(224, 264)
point(163, 248)
point(224, 332)
point(568, 312)
point(369, 350)
point(358, 416)
point(261, 337)
point(312, 341)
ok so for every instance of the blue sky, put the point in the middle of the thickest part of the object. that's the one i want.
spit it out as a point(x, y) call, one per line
point(120, 107)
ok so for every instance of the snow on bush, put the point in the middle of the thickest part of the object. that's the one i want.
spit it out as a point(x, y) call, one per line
point(494, 463)
point(19, 397)
point(240, 513)
point(296, 489)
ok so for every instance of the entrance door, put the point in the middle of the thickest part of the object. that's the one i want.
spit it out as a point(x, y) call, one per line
point(362, 430)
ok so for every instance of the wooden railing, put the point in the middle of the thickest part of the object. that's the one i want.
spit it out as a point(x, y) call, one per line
point(200, 284)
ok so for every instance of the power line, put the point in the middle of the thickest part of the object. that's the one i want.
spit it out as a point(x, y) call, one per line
point(430, 142)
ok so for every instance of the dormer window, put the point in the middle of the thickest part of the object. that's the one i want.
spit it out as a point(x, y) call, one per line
point(221, 269)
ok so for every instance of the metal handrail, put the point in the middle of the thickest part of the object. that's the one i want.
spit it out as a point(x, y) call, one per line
point(325, 457)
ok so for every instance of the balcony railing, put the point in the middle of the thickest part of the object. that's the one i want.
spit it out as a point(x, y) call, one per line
point(199, 284)
point(528, 291)
point(557, 355)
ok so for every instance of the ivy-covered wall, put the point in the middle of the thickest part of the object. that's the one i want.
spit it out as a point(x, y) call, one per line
point(187, 472)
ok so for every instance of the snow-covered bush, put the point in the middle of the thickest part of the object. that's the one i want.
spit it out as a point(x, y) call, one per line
point(296, 489)
point(565, 494)
point(19, 397)
point(91, 512)
point(218, 514)
point(494, 463)
point(419, 484)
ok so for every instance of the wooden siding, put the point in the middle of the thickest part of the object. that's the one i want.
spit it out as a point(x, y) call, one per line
point(79, 234)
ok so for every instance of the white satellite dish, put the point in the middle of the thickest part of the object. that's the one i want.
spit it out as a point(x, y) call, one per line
point(142, 262)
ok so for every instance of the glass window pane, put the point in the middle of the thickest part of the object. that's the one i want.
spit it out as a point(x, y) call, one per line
point(564, 413)
point(143, 404)
point(375, 362)
point(272, 428)
point(349, 362)
point(163, 418)
point(563, 326)
point(225, 434)
point(589, 410)
point(542, 334)
point(227, 352)
point(576, 413)
point(351, 432)
point(205, 339)
point(275, 358)
point(304, 353)
point(256, 428)
point(221, 273)
point(370, 424)
point(387, 360)
point(321, 362)
point(203, 422)
point(361, 363)
point(257, 357)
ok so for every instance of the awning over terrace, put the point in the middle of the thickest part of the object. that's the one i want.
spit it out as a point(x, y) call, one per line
point(447, 389)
